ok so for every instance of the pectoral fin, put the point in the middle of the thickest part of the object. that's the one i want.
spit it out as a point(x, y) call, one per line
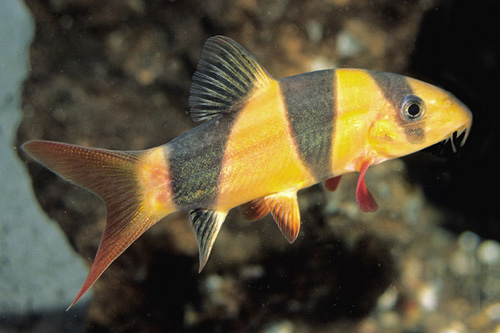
point(206, 224)
point(363, 196)
point(331, 184)
point(285, 210)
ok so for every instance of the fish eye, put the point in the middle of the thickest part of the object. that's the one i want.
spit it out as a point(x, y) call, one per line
point(413, 108)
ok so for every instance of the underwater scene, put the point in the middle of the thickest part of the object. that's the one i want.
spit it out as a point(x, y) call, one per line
point(260, 166)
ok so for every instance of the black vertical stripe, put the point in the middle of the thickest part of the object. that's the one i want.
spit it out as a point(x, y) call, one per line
point(309, 100)
point(394, 87)
point(195, 162)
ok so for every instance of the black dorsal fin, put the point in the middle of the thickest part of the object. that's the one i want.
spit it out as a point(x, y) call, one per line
point(225, 76)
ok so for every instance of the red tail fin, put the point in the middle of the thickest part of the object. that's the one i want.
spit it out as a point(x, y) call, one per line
point(113, 176)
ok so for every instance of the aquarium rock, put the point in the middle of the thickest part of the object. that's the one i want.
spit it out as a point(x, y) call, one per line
point(39, 270)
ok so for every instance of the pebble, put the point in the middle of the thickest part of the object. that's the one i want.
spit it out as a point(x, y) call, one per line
point(454, 327)
point(387, 301)
point(284, 326)
point(493, 311)
point(488, 252)
point(348, 45)
point(428, 296)
point(462, 263)
point(314, 31)
point(319, 63)
point(468, 241)
point(390, 320)
point(252, 272)
point(213, 283)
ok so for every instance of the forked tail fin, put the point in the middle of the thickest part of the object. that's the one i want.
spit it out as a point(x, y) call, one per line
point(114, 176)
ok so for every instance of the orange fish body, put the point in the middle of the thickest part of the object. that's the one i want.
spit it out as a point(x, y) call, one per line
point(263, 140)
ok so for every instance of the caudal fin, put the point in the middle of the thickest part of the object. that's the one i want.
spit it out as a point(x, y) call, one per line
point(114, 176)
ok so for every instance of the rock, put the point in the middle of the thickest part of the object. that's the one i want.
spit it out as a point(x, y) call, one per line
point(39, 272)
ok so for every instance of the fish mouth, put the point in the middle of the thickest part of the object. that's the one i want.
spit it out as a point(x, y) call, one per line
point(458, 137)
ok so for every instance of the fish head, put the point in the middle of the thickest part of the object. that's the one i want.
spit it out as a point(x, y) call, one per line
point(410, 121)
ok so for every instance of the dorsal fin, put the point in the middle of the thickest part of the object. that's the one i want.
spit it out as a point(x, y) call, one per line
point(225, 76)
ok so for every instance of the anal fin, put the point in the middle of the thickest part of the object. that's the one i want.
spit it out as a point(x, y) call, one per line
point(206, 224)
point(255, 210)
point(285, 210)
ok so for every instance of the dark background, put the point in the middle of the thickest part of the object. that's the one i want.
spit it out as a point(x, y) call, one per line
point(117, 75)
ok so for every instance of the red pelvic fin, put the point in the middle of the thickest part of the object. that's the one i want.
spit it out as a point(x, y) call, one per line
point(363, 196)
point(331, 184)
point(285, 210)
point(113, 176)
point(255, 210)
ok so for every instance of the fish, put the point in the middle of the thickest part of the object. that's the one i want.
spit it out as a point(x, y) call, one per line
point(260, 141)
